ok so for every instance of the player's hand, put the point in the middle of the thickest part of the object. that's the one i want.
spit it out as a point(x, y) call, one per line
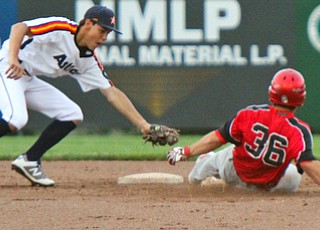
point(176, 154)
point(15, 70)
point(144, 127)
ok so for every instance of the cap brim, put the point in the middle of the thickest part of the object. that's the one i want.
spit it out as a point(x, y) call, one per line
point(110, 28)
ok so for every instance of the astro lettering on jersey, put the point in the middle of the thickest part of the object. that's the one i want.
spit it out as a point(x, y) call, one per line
point(63, 64)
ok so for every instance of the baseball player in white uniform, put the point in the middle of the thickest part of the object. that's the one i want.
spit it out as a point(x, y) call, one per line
point(55, 47)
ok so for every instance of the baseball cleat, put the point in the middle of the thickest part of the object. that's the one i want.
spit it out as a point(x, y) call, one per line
point(31, 170)
point(213, 182)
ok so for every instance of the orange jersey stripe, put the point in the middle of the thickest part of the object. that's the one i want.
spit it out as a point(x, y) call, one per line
point(102, 68)
point(51, 26)
point(98, 61)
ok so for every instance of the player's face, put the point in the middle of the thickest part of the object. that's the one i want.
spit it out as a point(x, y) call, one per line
point(96, 36)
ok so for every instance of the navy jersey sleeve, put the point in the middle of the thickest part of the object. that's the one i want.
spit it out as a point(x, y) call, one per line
point(307, 154)
point(225, 132)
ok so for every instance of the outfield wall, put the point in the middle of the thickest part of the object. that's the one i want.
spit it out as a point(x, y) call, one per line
point(191, 64)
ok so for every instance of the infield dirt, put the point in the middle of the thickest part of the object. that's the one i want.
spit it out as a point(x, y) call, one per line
point(87, 196)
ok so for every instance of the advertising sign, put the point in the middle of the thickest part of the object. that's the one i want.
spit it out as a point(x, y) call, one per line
point(191, 63)
point(207, 58)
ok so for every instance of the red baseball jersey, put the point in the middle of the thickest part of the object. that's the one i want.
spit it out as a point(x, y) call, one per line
point(266, 141)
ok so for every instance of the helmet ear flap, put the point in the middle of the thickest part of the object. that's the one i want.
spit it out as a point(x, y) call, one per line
point(287, 88)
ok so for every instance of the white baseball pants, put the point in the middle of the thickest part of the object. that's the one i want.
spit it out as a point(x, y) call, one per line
point(220, 165)
point(16, 96)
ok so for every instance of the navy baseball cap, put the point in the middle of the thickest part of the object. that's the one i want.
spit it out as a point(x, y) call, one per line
point(103, 16)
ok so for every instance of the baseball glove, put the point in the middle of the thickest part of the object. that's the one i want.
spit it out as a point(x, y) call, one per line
point(161, 135)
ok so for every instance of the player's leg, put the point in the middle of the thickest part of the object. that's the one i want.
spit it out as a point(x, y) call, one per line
point(290, 180)
point(12, 103)
point(56, 105)
point(14, 117)
point(204, 167)
point(45, 98)
point(210, 165)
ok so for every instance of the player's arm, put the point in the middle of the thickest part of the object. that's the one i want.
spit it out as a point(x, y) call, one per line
point(207, 143)
point(122, 103)
point(312, 169)
point(18, 31)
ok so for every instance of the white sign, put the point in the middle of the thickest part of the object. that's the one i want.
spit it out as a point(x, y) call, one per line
point(156, 36)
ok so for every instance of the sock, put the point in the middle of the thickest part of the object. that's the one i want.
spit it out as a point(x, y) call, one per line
point(54, 133)
point(4, 127)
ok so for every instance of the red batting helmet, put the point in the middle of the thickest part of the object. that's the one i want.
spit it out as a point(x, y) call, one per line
point(287, 88)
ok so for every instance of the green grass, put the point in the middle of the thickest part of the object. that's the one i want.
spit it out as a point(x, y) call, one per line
point(92, 147)
point(101, 147)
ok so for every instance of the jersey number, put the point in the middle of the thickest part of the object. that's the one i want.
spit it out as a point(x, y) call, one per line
point(270, 147)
